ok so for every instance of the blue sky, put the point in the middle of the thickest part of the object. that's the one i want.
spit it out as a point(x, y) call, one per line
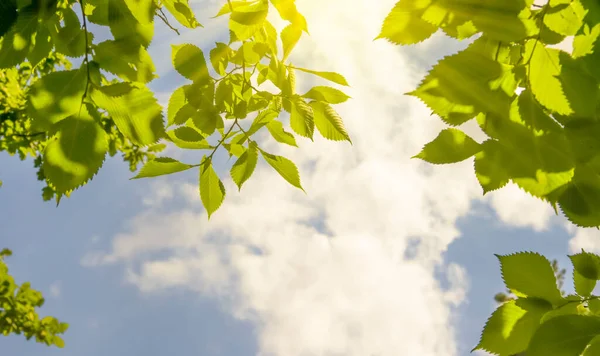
point(383, 256)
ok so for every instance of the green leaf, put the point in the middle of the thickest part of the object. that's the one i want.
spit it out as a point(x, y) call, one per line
point(331, 76)
point(56, 96)
point(219, 57)
point(302, 118)
point(142, 10)
point(328, 122)
point(133, 62)
point(189, 61)
point(404, 25)
point(262, 119)
point(587, 265)
point(564, 17)
point(123, 25)
point(16, 43)
point(212, 190)
point(76, 153)
point(565, 335)
point(593, 348)
point(188, 138)
point(245, 165)
point(511, 326)
point(247, 20)
point(161, 166)
point(579, 200)
point(187, 134)
point(326, 94)
point(8, 16)
point(69, 36)
point(288, 11)
point(186, 112)
point(594, 306)
point(290, 36)
point(286, 168)
point(206, 121)
point(559, 83)
point(530, 274)
point(59, 342)
point(176, 102)
point(42, 46)
point(134, 110)
point(279, 134)
point(450, 146)
point(467, 83)
point(583, 286)
point(180, 9)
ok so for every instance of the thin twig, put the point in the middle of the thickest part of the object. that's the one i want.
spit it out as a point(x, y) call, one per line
point(161, 14)
point(221, 140)
point(87, 50)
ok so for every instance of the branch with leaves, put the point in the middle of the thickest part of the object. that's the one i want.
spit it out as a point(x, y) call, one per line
point(201, 115)
point(18, 313)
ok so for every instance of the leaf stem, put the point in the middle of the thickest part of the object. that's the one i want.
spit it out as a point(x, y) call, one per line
point(161, 15)
point(222, 140)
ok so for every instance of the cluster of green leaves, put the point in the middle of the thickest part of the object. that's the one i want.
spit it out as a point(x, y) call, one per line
point(538, 105)
point(84, 115)
point(539, 319)
point(18, 310)
point(17, 137)
point(213, 108)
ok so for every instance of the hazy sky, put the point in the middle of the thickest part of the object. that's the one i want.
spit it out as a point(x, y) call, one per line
point(384, 255)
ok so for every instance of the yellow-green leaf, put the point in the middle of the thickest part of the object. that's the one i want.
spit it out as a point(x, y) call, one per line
point(450, 146)
point(290, 36)
point(245, 165)
point(328, 122)
point(286, 168)
point(161, 166)
point(331, 76)
point(212, 190)
point(326, 94)
point(189, 61)
point(301, 118)
point(76, 153)
point(180, 9)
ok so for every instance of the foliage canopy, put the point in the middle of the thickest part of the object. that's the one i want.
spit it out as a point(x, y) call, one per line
point(71, 118)
point(539, 107)
point(537, 104)
point(18, 310)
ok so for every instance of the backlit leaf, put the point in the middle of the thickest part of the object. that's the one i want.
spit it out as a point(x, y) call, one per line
point(326, 94)
point(76, 153)
point(530, 274)
point(212, 190)
point(565, 335)
point(245, 165)
point(189, 61)
point(450, 146)
point(180, 9)
point(302, 118)
point(161, 166)
point(328, 122)
point(286, 168)
point(290, 36)
point(331, 76)
point(511, 326)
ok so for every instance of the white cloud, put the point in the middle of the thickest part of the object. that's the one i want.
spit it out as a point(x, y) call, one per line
point(55, 289)
point(161, 191)
point(327, 273)
point(583, 238)
point(515, 207)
